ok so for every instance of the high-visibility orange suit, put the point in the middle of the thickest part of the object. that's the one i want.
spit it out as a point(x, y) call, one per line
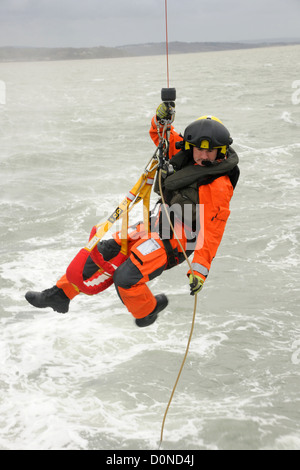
point(152, 253)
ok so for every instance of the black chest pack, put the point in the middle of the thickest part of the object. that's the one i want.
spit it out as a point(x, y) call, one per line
point(182, 186)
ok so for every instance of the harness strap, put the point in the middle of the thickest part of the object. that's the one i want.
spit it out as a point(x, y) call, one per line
point(143, 193)
point(75, 269)
point(173, 259)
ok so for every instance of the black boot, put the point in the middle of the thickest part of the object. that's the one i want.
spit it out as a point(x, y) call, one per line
point(162, 302)
point(54, 298)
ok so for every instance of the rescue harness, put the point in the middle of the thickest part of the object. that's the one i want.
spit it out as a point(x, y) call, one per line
point(141, 191)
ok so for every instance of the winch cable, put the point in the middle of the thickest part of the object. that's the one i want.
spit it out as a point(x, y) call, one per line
point(167, 43)
point(183, 251)
point(194, 312)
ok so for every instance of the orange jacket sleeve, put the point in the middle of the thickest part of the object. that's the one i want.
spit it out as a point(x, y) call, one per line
point(174, 137)
point(214, 211)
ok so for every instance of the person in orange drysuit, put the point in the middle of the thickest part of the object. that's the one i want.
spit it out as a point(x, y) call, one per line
point(201, 175)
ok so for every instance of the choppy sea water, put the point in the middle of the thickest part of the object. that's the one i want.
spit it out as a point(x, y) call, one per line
point(74, 139)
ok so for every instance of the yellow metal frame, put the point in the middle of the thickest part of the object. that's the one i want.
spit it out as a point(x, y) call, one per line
point(141, 191)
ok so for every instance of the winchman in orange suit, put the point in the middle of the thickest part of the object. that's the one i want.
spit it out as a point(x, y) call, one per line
point(198, 182)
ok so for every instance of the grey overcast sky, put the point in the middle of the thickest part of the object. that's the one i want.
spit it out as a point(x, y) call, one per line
point(88, 23)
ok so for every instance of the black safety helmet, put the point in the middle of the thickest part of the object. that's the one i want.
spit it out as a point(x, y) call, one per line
point(208, 132)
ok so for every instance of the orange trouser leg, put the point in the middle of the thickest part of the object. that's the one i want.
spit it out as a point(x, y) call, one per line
point(148, 260)
point(69, 289)
point(139, 300)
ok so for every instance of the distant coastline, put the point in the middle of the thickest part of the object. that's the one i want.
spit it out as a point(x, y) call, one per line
point(36, 54)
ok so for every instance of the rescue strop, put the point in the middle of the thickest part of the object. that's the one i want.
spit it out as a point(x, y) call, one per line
point(141, 191)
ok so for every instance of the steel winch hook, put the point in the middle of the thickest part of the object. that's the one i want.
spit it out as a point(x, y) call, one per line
point(168, 96)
